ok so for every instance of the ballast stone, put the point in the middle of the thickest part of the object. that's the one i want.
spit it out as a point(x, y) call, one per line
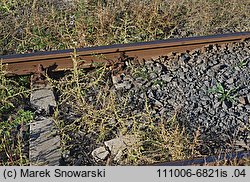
point(185, 86)
point(100, 154)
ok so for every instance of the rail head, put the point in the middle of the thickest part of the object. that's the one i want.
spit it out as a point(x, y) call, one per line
point(23, 64)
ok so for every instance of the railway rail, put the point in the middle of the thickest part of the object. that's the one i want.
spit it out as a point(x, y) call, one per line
point(25, 64)
point(28, 64)
point(208, 160)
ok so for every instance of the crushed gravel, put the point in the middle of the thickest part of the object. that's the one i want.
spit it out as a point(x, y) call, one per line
point(209, 89)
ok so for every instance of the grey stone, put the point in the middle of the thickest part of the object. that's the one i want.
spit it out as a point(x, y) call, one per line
point(210, 73)
point(140, 80)
point(215, 61)
point(230, 81)
point(242, 100)
point(150, 94)
point(185, 57)
point(248, 98)
point(100, 154)
point(116, 79)
point(217, 104)
point(205, 98)
point(142, 95)
point(162, 111)
point(189, 78)
point(210, 63)
point(157, 68)
point(156, 87)
point(174, 83)
point(223, 114)
point(244, 92)
point(152, 76)
point(166, 78)
point(181, 75)
point(158, 103)
point(90, 99)
point(199, 61)
point(224, 105)
point(184, 89)
point(207, 83)
point(211, 111)
point(239, 107)
point(124, 85)
point(171, 102)
point(118, 145)
point(185, 70)
point(247, 107)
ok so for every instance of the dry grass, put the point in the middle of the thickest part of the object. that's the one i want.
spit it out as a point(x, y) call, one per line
point(105, 116)
point(34, 25)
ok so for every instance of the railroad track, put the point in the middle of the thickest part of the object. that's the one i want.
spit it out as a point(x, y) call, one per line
point(36, 63)
point(25, 64)
point(208, 160)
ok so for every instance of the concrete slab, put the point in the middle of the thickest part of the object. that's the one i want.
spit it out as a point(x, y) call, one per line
point(42, 98)
point(44, 143)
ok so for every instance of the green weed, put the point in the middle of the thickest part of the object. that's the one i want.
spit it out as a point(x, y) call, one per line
point(224, 95)
point(243, 63)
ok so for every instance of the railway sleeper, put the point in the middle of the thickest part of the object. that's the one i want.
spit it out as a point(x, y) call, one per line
point(44, 143)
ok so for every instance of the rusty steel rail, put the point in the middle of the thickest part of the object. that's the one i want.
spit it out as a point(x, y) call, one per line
point(207, 160)
point(24, 64)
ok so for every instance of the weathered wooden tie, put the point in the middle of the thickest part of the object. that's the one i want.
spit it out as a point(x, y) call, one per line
point(44, 143)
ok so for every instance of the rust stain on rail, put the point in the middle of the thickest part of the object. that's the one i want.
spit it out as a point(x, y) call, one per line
point(24, 64)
